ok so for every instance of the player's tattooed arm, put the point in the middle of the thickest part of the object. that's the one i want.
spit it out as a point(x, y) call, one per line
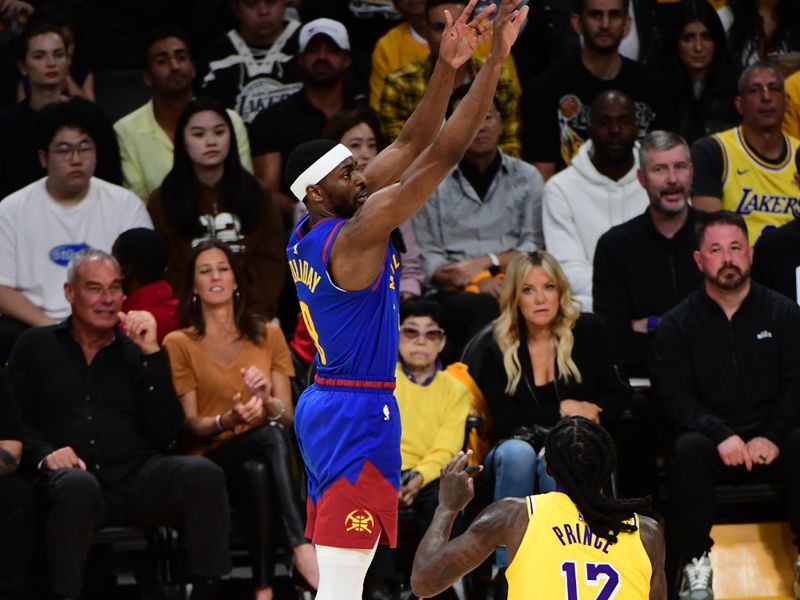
point(653, 542)
point(440, 561)
point(9, 457)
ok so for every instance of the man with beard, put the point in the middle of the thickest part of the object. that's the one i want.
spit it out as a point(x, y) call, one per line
point(323, 58)
point(555, 106)
point(750, 169)
point(727, 367)
point(599, 190)
point(147, 134)
point(644, 267)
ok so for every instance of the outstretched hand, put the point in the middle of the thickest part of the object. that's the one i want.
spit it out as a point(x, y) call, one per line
point(507, 24)
point(457, 488)
point(463, 35)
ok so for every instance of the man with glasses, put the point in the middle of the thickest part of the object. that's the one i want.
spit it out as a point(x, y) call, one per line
point(45, 223)
point(433, 409)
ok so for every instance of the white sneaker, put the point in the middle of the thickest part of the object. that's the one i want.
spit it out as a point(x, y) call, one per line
point(697, 580)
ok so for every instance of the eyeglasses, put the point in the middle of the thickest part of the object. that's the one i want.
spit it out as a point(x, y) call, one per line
point(412, 333)
point(66, 151)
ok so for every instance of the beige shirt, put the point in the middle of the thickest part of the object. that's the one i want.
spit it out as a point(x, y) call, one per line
point(215, 383)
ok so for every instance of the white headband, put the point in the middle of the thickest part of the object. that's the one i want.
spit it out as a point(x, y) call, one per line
point(319, 169)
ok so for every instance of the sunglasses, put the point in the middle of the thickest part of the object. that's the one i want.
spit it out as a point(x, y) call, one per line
point(412, 333)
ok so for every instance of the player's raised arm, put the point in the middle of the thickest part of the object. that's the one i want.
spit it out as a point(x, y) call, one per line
point(389, 207)
point(438, 563)
point(460, 39)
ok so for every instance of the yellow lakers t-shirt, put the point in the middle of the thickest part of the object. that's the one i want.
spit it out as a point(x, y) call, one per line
point(560, 557)
point(762, 192)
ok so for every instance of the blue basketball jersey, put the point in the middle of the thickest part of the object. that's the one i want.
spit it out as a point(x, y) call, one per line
point(355, 332)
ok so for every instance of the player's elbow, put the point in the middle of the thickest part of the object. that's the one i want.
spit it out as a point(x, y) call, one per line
point(419, 586)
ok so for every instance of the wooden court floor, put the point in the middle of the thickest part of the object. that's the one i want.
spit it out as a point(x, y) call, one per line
point(753, 561)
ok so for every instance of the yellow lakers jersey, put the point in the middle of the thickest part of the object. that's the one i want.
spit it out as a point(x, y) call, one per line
point(763, 193)
point(560, 557)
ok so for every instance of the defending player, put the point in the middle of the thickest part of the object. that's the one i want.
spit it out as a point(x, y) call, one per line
point(572, 543)
point(344, 269)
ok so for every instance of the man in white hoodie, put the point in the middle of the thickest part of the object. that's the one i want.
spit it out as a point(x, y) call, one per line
point(599, 190)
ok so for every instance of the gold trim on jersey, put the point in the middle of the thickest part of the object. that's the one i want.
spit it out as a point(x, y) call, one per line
point(759, 161)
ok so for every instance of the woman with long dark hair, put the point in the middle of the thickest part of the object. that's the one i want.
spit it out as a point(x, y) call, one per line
point(231, 371)
point(758, 28)
point(701, 75)
point(209, 195)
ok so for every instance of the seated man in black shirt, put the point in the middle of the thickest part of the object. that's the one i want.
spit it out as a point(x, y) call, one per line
point(98, 407)
point(16, 505)
point(776, 255)
point(644, 267)
point(727, 366)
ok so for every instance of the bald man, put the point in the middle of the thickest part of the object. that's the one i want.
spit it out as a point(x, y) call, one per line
point(599, 190)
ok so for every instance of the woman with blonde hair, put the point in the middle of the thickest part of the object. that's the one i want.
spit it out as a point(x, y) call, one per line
point(541, 360)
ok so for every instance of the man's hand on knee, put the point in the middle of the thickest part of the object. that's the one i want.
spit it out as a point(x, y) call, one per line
point(733, 452)
point(762, 451)
point(63, 458)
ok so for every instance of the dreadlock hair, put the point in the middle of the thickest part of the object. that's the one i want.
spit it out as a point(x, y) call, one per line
point(581, 457)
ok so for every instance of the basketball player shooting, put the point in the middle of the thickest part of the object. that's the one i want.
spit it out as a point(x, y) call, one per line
point(345, 272)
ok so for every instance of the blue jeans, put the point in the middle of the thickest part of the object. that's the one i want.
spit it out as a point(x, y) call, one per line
point(517, 471)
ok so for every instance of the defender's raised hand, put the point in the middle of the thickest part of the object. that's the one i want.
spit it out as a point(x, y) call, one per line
point(462, 36)
point(507, 24)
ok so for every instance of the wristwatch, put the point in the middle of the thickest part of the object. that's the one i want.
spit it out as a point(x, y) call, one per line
point(494, 269)
point(652, 323)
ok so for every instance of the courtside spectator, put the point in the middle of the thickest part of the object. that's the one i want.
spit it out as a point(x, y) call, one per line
point(250, 67)
point(776, 255)
point(697, 66)
point(645, 266)
point(14, 14)
point(485, 212)
point(599, 190)
point(208, 194)
point(542, 360)
point(142, 255)
point(758, 28)
point(324, 57)
point(791, 118)
point(750, 169)
point(727, 366)
point(43, 58)
point(45, 223)
point(399, 46)
point(433, 409)
point(80, 80)
point(146, 136)
point(404, 88)
point(555, 107)
point(231, 371)
point(95, 427)
point(16, 505)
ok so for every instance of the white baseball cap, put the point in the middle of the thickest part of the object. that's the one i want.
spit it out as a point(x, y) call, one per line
point(333, 29)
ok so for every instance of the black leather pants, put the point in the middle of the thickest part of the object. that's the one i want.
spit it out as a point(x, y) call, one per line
point(256, 464)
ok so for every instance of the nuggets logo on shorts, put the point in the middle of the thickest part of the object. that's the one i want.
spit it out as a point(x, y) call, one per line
point(359, 521)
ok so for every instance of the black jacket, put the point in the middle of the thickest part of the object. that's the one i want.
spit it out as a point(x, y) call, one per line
point(540, 406)
point(776, 258)
point(721, 377)
point(639, 273)
point(116, 413)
